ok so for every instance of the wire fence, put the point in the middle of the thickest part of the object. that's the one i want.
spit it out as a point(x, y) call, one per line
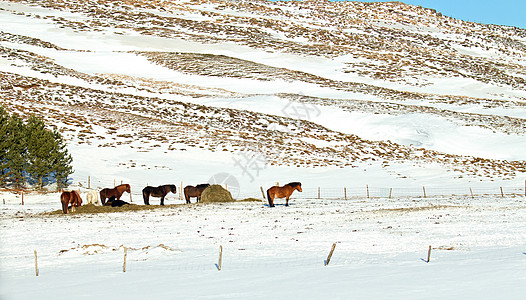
point(211, 260)
point(394, 192)
point(327, 193)
point(348, 192)
point(135, 260)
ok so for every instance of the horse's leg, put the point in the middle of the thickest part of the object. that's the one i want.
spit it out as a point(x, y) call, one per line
point(162, 200)
point(64, 207)
point(271, 201)
point(146, 198)
point(287, 202)
point(187, 197)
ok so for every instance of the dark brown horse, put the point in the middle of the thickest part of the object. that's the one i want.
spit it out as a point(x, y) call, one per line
point(116, 191)
point(194, 191)
point(282, 192)
point(115, 203)
point(67, 198)
point(159, 191)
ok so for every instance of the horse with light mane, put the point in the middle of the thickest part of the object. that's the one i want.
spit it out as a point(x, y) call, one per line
point(92, 197)
point(67, 198)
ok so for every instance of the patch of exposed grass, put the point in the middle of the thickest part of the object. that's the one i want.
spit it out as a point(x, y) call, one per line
point(92, 209)
point(249, 200)
point(415, 209)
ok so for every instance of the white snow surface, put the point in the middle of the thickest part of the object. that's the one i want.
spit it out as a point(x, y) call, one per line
point(478, 250)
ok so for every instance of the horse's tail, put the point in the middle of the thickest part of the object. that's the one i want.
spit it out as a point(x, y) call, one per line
point(102, 197)
point(146, 197)
point(64, 204)
point(270, 200)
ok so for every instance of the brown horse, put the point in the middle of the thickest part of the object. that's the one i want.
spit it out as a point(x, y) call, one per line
point(282, 192)
point(116, 191)
point(194, 191)
point(68, 198)
point(159, 191)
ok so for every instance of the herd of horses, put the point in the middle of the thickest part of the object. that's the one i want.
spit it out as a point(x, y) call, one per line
point(112, 196)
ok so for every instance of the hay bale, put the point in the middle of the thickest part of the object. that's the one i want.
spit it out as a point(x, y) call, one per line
point(216, 193)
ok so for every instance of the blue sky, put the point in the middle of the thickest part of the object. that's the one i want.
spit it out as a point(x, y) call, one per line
point(500, 12)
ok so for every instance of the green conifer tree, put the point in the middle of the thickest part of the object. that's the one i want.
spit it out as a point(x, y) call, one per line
point(40, 150)
point(28, 151)
point(16, 153)
point(61, 161)
point(4, 146)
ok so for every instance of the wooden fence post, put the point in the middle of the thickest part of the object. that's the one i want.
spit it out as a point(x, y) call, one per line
point(390, 192)
point(22, 197)
point(424, 188)
point(263, 193)
point(471, 192)
point(181, 196)
point(367, 186)
point(429, 254)
point(345, 193)
point(501, 192)
point(125, 255)
point(318, 192)
point(220, 262)
point(330, 254)
point(36, 264)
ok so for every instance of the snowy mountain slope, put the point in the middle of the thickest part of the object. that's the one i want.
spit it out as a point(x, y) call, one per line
point(307, 84)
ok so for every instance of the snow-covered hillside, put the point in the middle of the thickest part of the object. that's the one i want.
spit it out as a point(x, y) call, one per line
point(310, 85)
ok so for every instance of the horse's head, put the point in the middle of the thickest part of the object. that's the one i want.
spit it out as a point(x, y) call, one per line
point(295, 185)
point(173, 189)
point(78, 199)
point(128, 188)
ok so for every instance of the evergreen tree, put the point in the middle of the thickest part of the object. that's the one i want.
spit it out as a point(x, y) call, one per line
point(15, 164)
point(4, 145)
point(61, 161)
point(40, 146)
point(31, 152)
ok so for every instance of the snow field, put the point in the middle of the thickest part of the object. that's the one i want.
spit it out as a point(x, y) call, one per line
point(381, 248)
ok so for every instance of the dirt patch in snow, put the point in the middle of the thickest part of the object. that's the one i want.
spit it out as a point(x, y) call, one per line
point(93, 209)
